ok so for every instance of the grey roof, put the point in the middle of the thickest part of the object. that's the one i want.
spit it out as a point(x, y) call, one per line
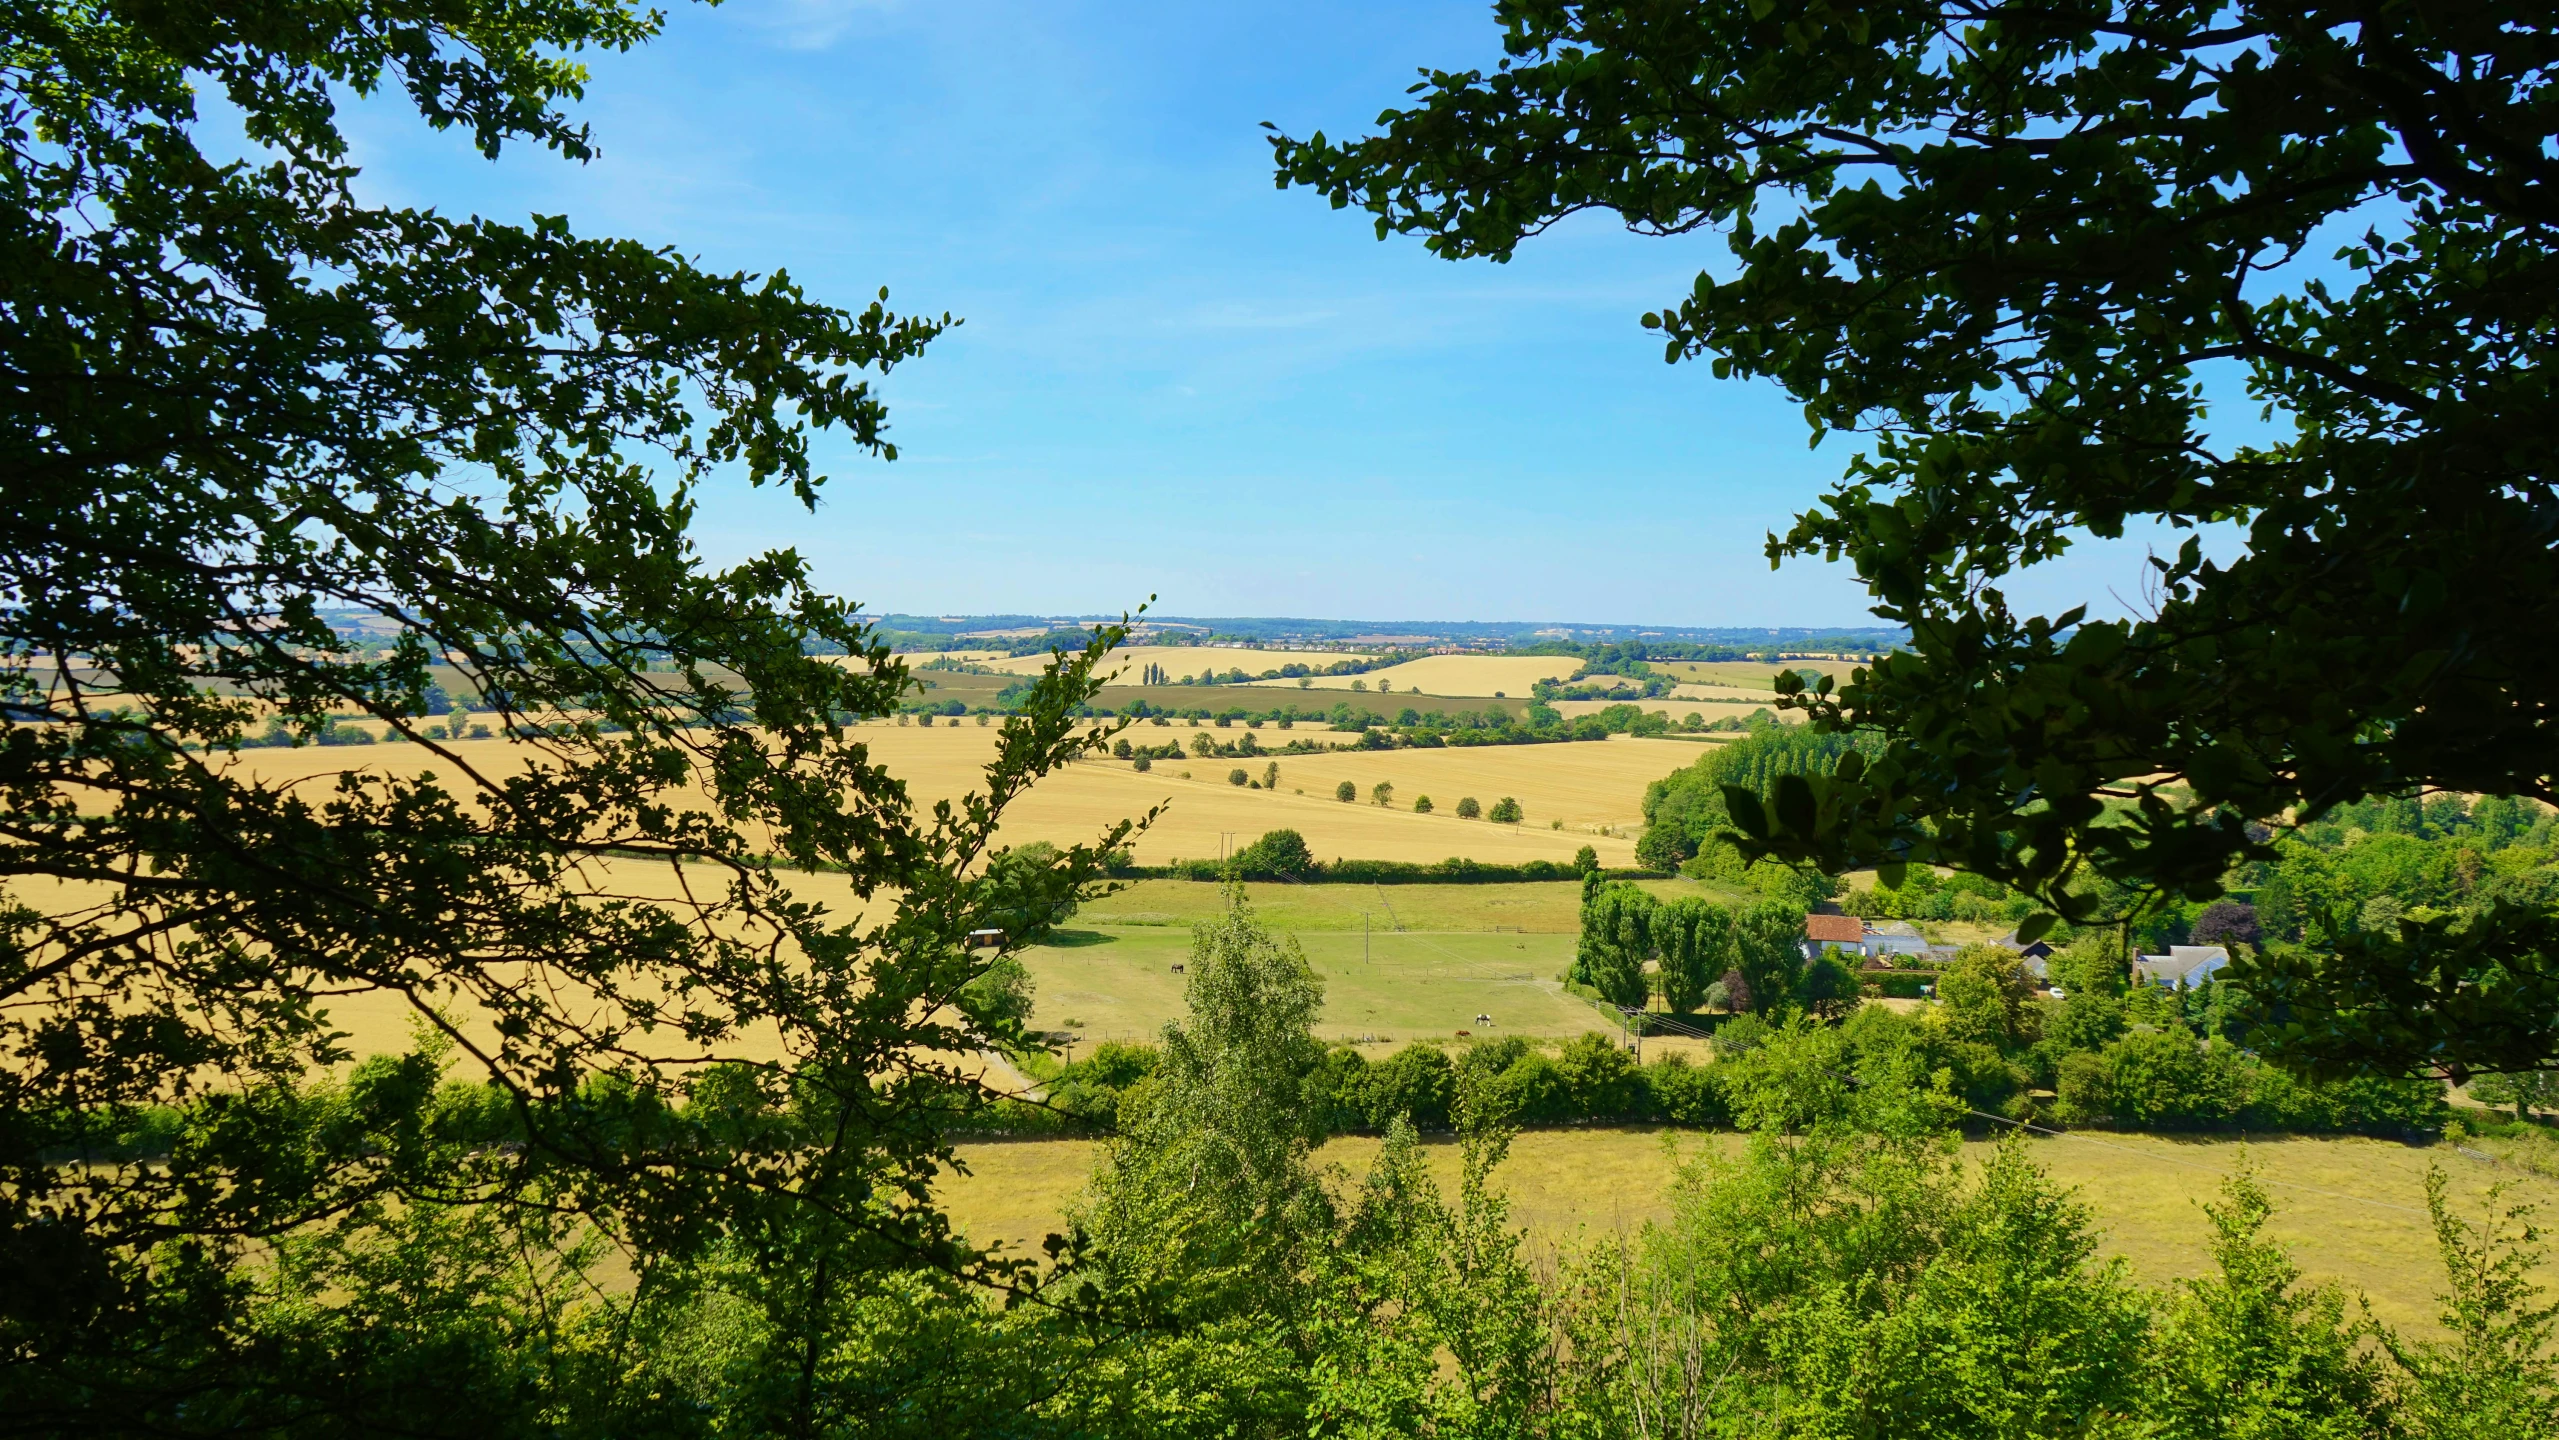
point(2190, 965)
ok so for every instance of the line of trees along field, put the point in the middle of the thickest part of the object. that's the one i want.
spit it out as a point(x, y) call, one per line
point(670, 1170)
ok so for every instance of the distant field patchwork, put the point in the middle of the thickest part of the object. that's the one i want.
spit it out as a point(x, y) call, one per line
point(1460, 675)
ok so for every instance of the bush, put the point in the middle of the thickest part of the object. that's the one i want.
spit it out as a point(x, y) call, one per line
point(1483, 1062)
point(1599, 1078)
point(2083, 1086)
point(1678, 1093)
point(1346, 792)
point(1341, 1087)
point(1237, 778)
point(1421, 804)
point(1467, 809)
point(1533, 1091)
point(1416, 1082)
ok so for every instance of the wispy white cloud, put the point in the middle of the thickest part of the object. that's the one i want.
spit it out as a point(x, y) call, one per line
point(808, 24)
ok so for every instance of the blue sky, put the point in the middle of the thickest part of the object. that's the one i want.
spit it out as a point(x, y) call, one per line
point(1173, 378)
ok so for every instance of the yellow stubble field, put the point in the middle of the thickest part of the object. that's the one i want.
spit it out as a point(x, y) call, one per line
point(1131, 661)
point(1583, 783)
point(1458, 676)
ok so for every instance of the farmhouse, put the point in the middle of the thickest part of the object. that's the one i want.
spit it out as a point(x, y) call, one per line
point(1893, 937)
point(1821, 931)
point(2187, 965)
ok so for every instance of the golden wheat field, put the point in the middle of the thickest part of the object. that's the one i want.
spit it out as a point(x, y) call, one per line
point(1585, 784)
point(1204, 813)
point(2352, 1210)
point(1130, 661)
point(1751, 676)
point(1588, 786)
point(382, 1021)
point(1460, 676)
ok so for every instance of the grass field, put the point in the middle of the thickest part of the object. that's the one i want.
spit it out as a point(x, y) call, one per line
point(1381, 990)
point(2352, 1210)
point(1399, 962)
point(1550, 907)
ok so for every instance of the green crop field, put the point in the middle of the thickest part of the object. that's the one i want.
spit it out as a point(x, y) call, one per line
point(1462, 951)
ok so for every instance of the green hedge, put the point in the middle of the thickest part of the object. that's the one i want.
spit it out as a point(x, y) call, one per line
point(1452, 871)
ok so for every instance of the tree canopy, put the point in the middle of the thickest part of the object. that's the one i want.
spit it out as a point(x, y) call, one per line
point(281, 457)
point(2006, 244)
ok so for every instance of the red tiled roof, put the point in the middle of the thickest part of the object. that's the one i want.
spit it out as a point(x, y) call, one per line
point(1834, 929)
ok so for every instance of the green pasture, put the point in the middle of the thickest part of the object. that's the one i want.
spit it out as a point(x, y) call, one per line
point(1461, 951)
point(1386, 988)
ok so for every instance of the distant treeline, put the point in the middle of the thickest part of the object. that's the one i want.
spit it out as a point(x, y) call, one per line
point(933, 632)
point(1611, 657)
point(1452, 871)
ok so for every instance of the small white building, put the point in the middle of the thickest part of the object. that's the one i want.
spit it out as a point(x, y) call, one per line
point(2187, 965)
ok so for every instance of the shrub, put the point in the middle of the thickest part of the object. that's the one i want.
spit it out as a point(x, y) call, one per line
point(1237, 778)
point(2162, 1079)
point(2083, 1086)
point(1483, 1062)
point(1599, 1077)
point(1421, 804)
point(1340, 1091)
point(1467, 809)
point(1678, 1093)
point(1533, 1091)
point(1416, 1082)
point(1346, 792)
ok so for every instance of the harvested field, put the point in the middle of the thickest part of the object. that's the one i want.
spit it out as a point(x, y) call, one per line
point(1129, 661)
point(1586, 784)
point(942, 761)
point(2352, 1210)
point(1461, 675)
point(1749, 676)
